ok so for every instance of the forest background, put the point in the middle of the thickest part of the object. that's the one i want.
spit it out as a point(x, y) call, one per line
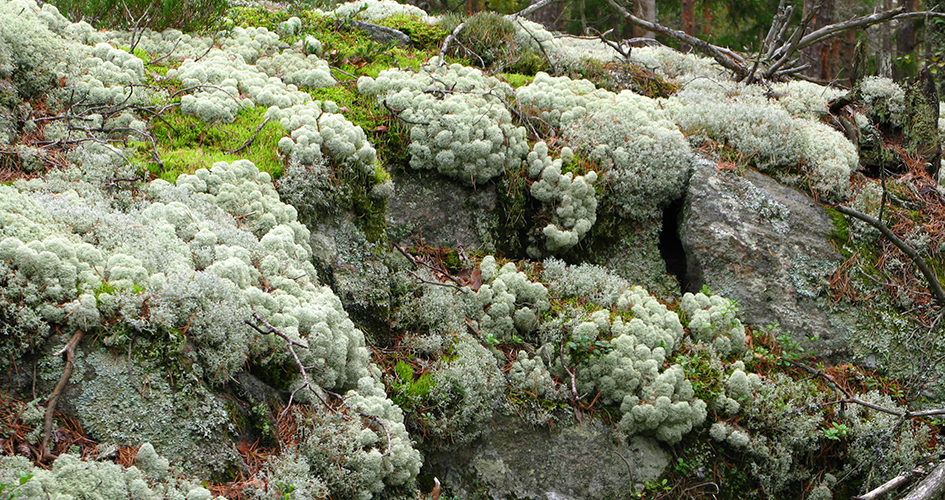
point(896, 49)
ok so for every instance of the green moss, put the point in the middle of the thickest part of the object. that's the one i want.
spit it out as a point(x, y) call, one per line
point(841, 227)
point(259, 16)
point(422, 34)
point(516, 211)
point(515, 80)
point(185, 143)
point(387, 134)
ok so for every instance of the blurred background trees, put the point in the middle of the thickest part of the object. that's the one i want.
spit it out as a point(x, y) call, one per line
point(898, 49)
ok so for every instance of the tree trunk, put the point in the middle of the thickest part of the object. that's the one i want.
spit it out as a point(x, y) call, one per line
point(906, 42)
point(688, 17)
point(646, 10)
point(820, 55)
point(884, 58)
point(548, 16)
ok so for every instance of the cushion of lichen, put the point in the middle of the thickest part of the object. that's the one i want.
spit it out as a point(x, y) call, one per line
point(644, 159)
point(198, 257)
point(767, 132)
point(96, 479)
point(39, 56)
point(459, 124)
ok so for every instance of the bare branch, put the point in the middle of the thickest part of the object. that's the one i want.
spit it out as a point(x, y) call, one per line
point(863, 22)
point(165, 56)
point(446, 43)
point(934, 285)
point(788, 51)
point(251, 139)
point(527, 11)
point(777, 25)
point(930, 487)
point(69, 351)
point(306, 382)
point(726, 57)
point(881, 490)
point(540, 46)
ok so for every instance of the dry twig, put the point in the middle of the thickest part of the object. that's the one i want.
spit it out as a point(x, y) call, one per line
point(69, 351)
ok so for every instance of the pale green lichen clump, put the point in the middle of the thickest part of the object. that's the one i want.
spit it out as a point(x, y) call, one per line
point(458, 118)
point(201, 255)
point(774, 139)
point(70, 475)
point(644, 158)
point(713, 321)
point(571, 197)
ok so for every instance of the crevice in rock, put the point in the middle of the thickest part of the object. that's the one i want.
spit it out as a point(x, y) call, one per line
point(671, 247)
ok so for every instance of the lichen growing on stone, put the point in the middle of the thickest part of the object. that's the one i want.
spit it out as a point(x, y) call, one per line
point(199, 256)
point(643, 157)
point(458, 118)
point(713, 321)
point(572, 198)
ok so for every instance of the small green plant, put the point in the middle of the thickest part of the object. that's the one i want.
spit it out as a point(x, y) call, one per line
point(583, 348)
point(10, 491)
point(656, 487)
point(285, 490)
point(835, 431)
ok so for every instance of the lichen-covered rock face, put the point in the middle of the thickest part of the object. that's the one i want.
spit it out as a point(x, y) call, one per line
point(732, 221)
point(572, 461)
point(164, 276)
point(182, 268)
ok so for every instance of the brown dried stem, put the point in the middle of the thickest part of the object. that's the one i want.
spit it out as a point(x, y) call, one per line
point(69, 351)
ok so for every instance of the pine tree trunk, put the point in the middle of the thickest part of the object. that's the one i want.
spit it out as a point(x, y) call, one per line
point(688, 17)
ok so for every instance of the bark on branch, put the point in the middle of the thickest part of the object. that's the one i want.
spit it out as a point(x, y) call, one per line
point(881, 490)
point(930, 487)
point(934, 285)
point(726, 57)
point(527, 11)
point(69, 351)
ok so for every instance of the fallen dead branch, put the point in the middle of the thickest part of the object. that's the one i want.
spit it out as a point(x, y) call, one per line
point(934, 285)
point(776, 55)
point(69, 351)
point(930, 487)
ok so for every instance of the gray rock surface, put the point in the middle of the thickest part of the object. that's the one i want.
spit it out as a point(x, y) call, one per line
point(382, 34)
point(441, 213)
point(578, 461)
point(765, 245)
